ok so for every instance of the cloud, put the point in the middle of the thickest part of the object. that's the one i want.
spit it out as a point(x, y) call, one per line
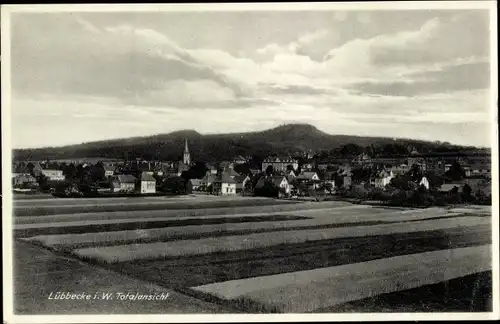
point(118, 62)
point(470, 76)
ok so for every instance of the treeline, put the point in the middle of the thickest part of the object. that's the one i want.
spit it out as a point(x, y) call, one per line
point(284, 140)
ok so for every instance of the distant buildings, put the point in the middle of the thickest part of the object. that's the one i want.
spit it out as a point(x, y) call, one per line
point(123, 183)
point(280, 164)
point(50, 173)
point(148, 183)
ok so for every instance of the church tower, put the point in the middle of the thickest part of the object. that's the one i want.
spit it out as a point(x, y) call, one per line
point(186, 159)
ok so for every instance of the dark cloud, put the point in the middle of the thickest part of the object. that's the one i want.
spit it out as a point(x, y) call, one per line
point(472, 76)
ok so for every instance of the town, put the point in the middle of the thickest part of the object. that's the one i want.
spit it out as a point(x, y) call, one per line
point(405, 178)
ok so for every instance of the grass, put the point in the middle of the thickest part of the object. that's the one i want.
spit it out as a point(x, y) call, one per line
point(99, 230)
point(472, 293)
point(214, 227)
point(203, 269)
point(156, 205)
point(165, 250)
point(305, 291)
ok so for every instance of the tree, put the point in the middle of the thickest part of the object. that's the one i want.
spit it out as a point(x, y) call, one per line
point(97, 172)
point(270, 170)
point(456, 172)
point(415, 172)
point(175, 185)
point(69, 171)
point(351, 150)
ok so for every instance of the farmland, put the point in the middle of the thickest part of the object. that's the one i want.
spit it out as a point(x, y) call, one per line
point(257, 255)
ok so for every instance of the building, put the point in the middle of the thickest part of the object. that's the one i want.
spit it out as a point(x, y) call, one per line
point(279, 164)
point(424, 182)
point(51, 173)
point(123, 183)
point(194, 185)
point(241, 160)
point(208, 180)
point(186, 156)
point(307, 176)
point(109, 170)
point(224, 185)
point(21, 180)
point(241, 182)
point(282, 183)
point(148, 183)
point(383, 178)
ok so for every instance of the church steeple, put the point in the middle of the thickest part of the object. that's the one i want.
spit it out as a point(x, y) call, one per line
point(186, 156)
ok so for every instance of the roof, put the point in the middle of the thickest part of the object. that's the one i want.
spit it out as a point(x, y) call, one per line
point(195, 182)
point(147, 177)
point(450, 186)
point(225, 179)
point(260, 183)
point(277, 180)
point(240, 178)
point(209, 178)
point(306, 175)
point(127, 178)
point(109, 168)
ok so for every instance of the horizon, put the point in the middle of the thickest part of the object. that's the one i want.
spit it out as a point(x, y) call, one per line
point(257, 131)
point(100, 76)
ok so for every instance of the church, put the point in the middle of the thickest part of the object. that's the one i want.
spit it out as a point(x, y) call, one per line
point(185, 164)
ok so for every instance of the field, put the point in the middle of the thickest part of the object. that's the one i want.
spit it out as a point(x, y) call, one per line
point(241, 254)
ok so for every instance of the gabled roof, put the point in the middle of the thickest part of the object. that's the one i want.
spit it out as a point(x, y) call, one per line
point(125, 178)
point(260, 183)
point(306, 175)
point(276, 180)
point(225, 179)
point(195, 182)
point(240, 178)
point(209, 178)
point(147, 177)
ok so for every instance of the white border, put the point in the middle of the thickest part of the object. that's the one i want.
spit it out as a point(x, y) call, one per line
point(6, 160)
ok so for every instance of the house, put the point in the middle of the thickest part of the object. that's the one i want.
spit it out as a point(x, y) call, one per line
point(208, 180)
point(122, 183)
point(148, 183)
point(307, 176)
point(224, 185)
point(399, 170)
point(230, 172)
point(240, 160)
point(22, 180)
point(424, 182)
point(254, 171)
point(241, 182)
point(362, 159)
point(211, 169)
point(51, 173)
point(346, 181)
point(481, 169)
point(383, 178)
point(282, 183)
point(308, 166)
point(194, 185)
point(280, 164)
point(109, 170)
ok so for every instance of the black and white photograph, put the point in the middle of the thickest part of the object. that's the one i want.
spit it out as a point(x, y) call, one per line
point(241, 162)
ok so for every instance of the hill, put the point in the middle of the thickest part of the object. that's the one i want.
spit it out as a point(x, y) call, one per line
point(286, 139)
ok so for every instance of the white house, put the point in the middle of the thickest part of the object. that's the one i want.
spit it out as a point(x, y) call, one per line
point(282, 183)
point(148, 183)
point(51, 174)
point(424, 182)
point(224, 185)
point(383, 178)
point(109, 171)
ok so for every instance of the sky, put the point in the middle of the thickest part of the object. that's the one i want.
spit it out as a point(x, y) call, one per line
point(84, 76)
